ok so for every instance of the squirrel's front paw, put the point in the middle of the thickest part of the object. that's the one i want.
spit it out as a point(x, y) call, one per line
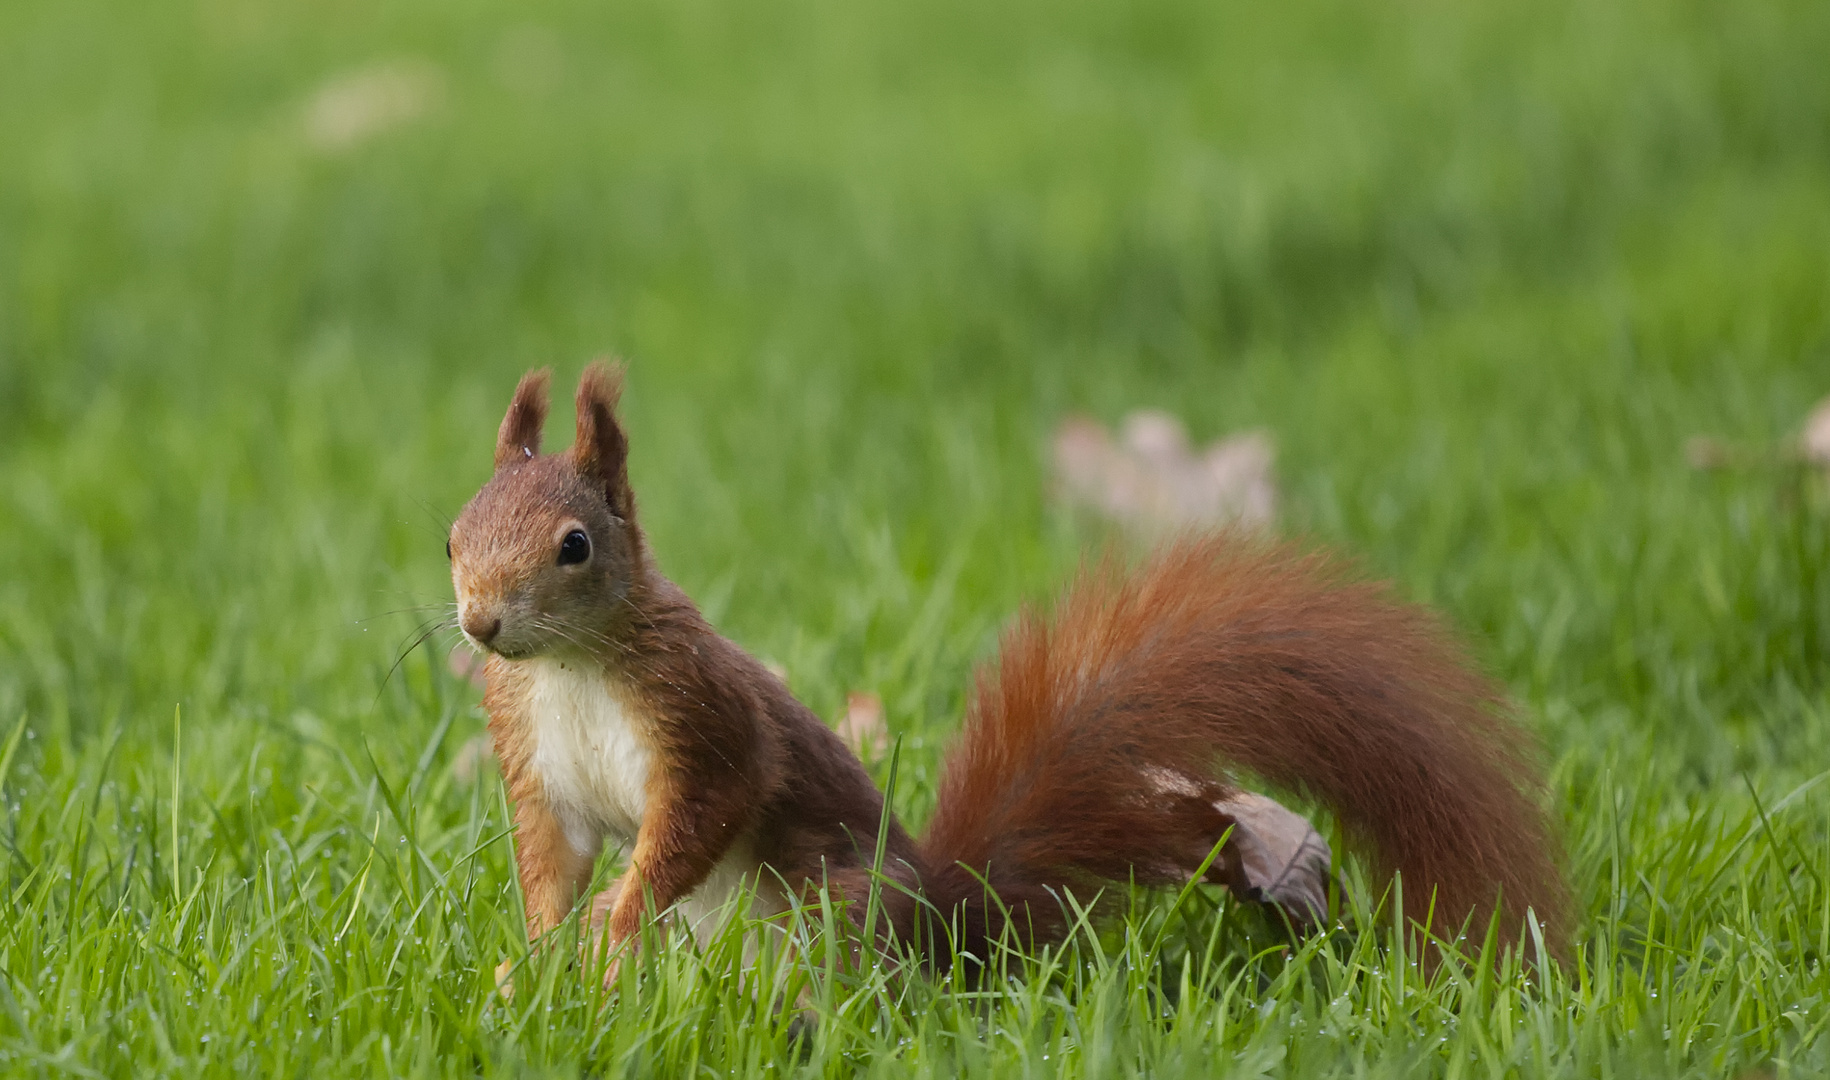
point(612, 970)
point(505, 984)
point(603, 955)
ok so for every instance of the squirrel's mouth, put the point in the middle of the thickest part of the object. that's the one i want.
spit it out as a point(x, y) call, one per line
point(493, 631)
point(509, 652)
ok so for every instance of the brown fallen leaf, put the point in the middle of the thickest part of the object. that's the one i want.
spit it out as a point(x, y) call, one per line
point(477, 753)
point(863, 727)
point(1274, 856)
point(353, 107)
point(1705, 453)
point(467, 664)
point(1151, 481)
point(1816, 439)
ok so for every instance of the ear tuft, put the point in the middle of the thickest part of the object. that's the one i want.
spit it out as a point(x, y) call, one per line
point(519, 438)
point(601, 450)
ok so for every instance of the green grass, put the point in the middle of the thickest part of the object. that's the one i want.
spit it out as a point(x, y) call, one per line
point(1480, 268)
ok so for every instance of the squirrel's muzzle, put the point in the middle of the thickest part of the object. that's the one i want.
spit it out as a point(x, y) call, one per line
point(481, 627)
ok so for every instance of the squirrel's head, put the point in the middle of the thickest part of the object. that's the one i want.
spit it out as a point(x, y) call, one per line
point(545, 554)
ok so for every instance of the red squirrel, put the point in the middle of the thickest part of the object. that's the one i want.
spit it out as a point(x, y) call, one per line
point(1094, 747)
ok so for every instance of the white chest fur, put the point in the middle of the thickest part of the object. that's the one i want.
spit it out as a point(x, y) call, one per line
point(590, 752)
point(594, 761)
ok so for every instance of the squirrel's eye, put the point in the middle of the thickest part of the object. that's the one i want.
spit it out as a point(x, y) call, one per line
point(447, 549)
point(575, 548)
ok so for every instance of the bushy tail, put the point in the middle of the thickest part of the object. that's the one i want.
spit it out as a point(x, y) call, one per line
point(1096, 746)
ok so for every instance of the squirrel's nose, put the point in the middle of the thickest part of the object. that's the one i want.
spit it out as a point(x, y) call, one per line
point(483, 628)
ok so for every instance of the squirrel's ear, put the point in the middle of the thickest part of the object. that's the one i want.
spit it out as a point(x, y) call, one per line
point(519, 438)
point(601, 450)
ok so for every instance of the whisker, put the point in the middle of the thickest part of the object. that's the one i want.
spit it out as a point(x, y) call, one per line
point(423, 632)
point(412, 609)
point(444, 519)
point(595, 635)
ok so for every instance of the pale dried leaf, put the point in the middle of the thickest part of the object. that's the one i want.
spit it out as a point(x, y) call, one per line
point(351, 108)
point(1152, 482)
point(1239, 474)
point(1156, 438)
point(1083, 455)
point(1816, 441)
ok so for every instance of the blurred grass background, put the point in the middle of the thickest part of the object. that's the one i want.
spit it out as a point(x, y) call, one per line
point(1479, 268)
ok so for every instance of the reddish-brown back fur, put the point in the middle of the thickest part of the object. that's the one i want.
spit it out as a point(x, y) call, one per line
point(1094, 747)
